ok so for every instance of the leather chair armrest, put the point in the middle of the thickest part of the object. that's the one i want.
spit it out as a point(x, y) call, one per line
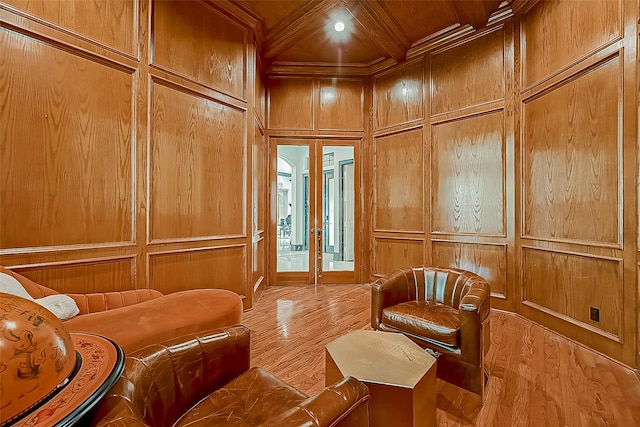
point(103, 301)
point(474, 310)
point(162, 381)
point(394, 288)
point(345, 403)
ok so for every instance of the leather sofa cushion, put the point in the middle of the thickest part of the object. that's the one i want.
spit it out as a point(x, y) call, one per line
point(425, 319)
point(139, 325)
point(249, 400)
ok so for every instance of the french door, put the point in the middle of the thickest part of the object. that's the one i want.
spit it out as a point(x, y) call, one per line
point(315, 209)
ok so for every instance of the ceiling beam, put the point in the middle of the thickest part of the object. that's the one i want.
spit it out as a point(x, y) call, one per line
point(378, 25)
point(475, 12)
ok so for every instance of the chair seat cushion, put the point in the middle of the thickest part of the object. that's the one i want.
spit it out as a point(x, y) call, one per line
point(248, 400)
point(428, 319)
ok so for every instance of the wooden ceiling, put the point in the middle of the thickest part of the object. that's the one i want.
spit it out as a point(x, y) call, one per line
point(301, 32)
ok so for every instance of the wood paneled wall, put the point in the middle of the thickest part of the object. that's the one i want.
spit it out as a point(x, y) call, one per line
point(578, 160)
point(518, 160)
point(128, 146)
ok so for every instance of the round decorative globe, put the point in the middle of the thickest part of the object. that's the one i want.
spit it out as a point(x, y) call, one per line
point(37, 356)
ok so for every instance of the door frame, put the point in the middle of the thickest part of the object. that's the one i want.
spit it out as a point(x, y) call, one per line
point(315, 145)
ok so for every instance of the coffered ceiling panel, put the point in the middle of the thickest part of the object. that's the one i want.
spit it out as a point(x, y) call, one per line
point(321, 48)
point(302, 32)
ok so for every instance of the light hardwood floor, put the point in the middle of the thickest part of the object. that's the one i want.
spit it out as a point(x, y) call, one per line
point(538, 378)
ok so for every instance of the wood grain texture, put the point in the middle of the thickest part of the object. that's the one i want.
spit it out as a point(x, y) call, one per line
point(545, 49)
point(398, 95)
point(194, 40)
point(398, 182)
point(258, 267)
point(568, 284)
point(290, 103)
point(571, 153)
point(487, 260)
point(537, 377)
point(65, 147)
point(420, 19)
point(110, 22)
point(211, 268)
point(467, 173)
point(390, 254)
point(469, 74)
point(341, 104)
point(197, 161)
point(84, 276)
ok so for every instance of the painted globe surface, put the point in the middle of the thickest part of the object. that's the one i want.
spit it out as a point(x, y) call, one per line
point(36, 355)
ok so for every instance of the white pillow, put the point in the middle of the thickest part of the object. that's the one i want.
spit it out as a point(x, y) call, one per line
point(63, 306)
point(9, 285)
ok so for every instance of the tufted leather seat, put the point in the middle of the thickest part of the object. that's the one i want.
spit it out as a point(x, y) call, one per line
point(442, 309)
point(204, 379)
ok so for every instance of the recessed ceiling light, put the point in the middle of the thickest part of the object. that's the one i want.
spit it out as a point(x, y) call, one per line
point(339, 26)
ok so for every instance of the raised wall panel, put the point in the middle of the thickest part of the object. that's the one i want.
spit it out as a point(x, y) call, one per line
point(197, 163)
point(110, 22)
point(392, 254)
point(341, 104)
point(467, 172)
point(398, 179)
point(469, 74)
point(193, 40)
point(290, 103)
point(214, 268)
point(398, 96)
point(487, 260)
point(261, 97)
point(258, 268)
point(556, 33)
point(571, 153)
point(66, 144)
point(84, 276)
point(567, 285)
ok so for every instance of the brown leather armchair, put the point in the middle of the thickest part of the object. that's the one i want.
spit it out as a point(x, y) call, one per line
point(442, 309)
point(204, 379)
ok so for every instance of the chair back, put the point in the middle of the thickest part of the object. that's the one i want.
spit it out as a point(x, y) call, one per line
point(161, 382)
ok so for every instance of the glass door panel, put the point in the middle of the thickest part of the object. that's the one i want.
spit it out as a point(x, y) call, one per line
point(292, 208)
point(338, 205)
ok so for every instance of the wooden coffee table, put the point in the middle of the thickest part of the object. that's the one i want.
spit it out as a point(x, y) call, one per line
point(400, 375)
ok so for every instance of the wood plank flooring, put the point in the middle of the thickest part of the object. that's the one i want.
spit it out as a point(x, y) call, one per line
point(538, 378)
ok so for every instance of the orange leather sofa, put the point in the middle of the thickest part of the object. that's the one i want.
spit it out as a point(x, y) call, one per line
point(442, 309)
point(137, 318)
point(204, 380)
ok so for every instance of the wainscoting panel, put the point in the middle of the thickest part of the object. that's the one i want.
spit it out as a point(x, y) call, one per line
point(203, 268)
point(468, 175)
point(571, 153)
point(467, 75)
point(111, 23)
point(398, 182)
point(290, 103)
point(197, 161)
point(84, 276)
point(486, 260)
point(391, 254)
point(568, 285)
point(192, 39)
point(398, 95)
point(557, 33)
point(66, 141)
point(341, 104)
